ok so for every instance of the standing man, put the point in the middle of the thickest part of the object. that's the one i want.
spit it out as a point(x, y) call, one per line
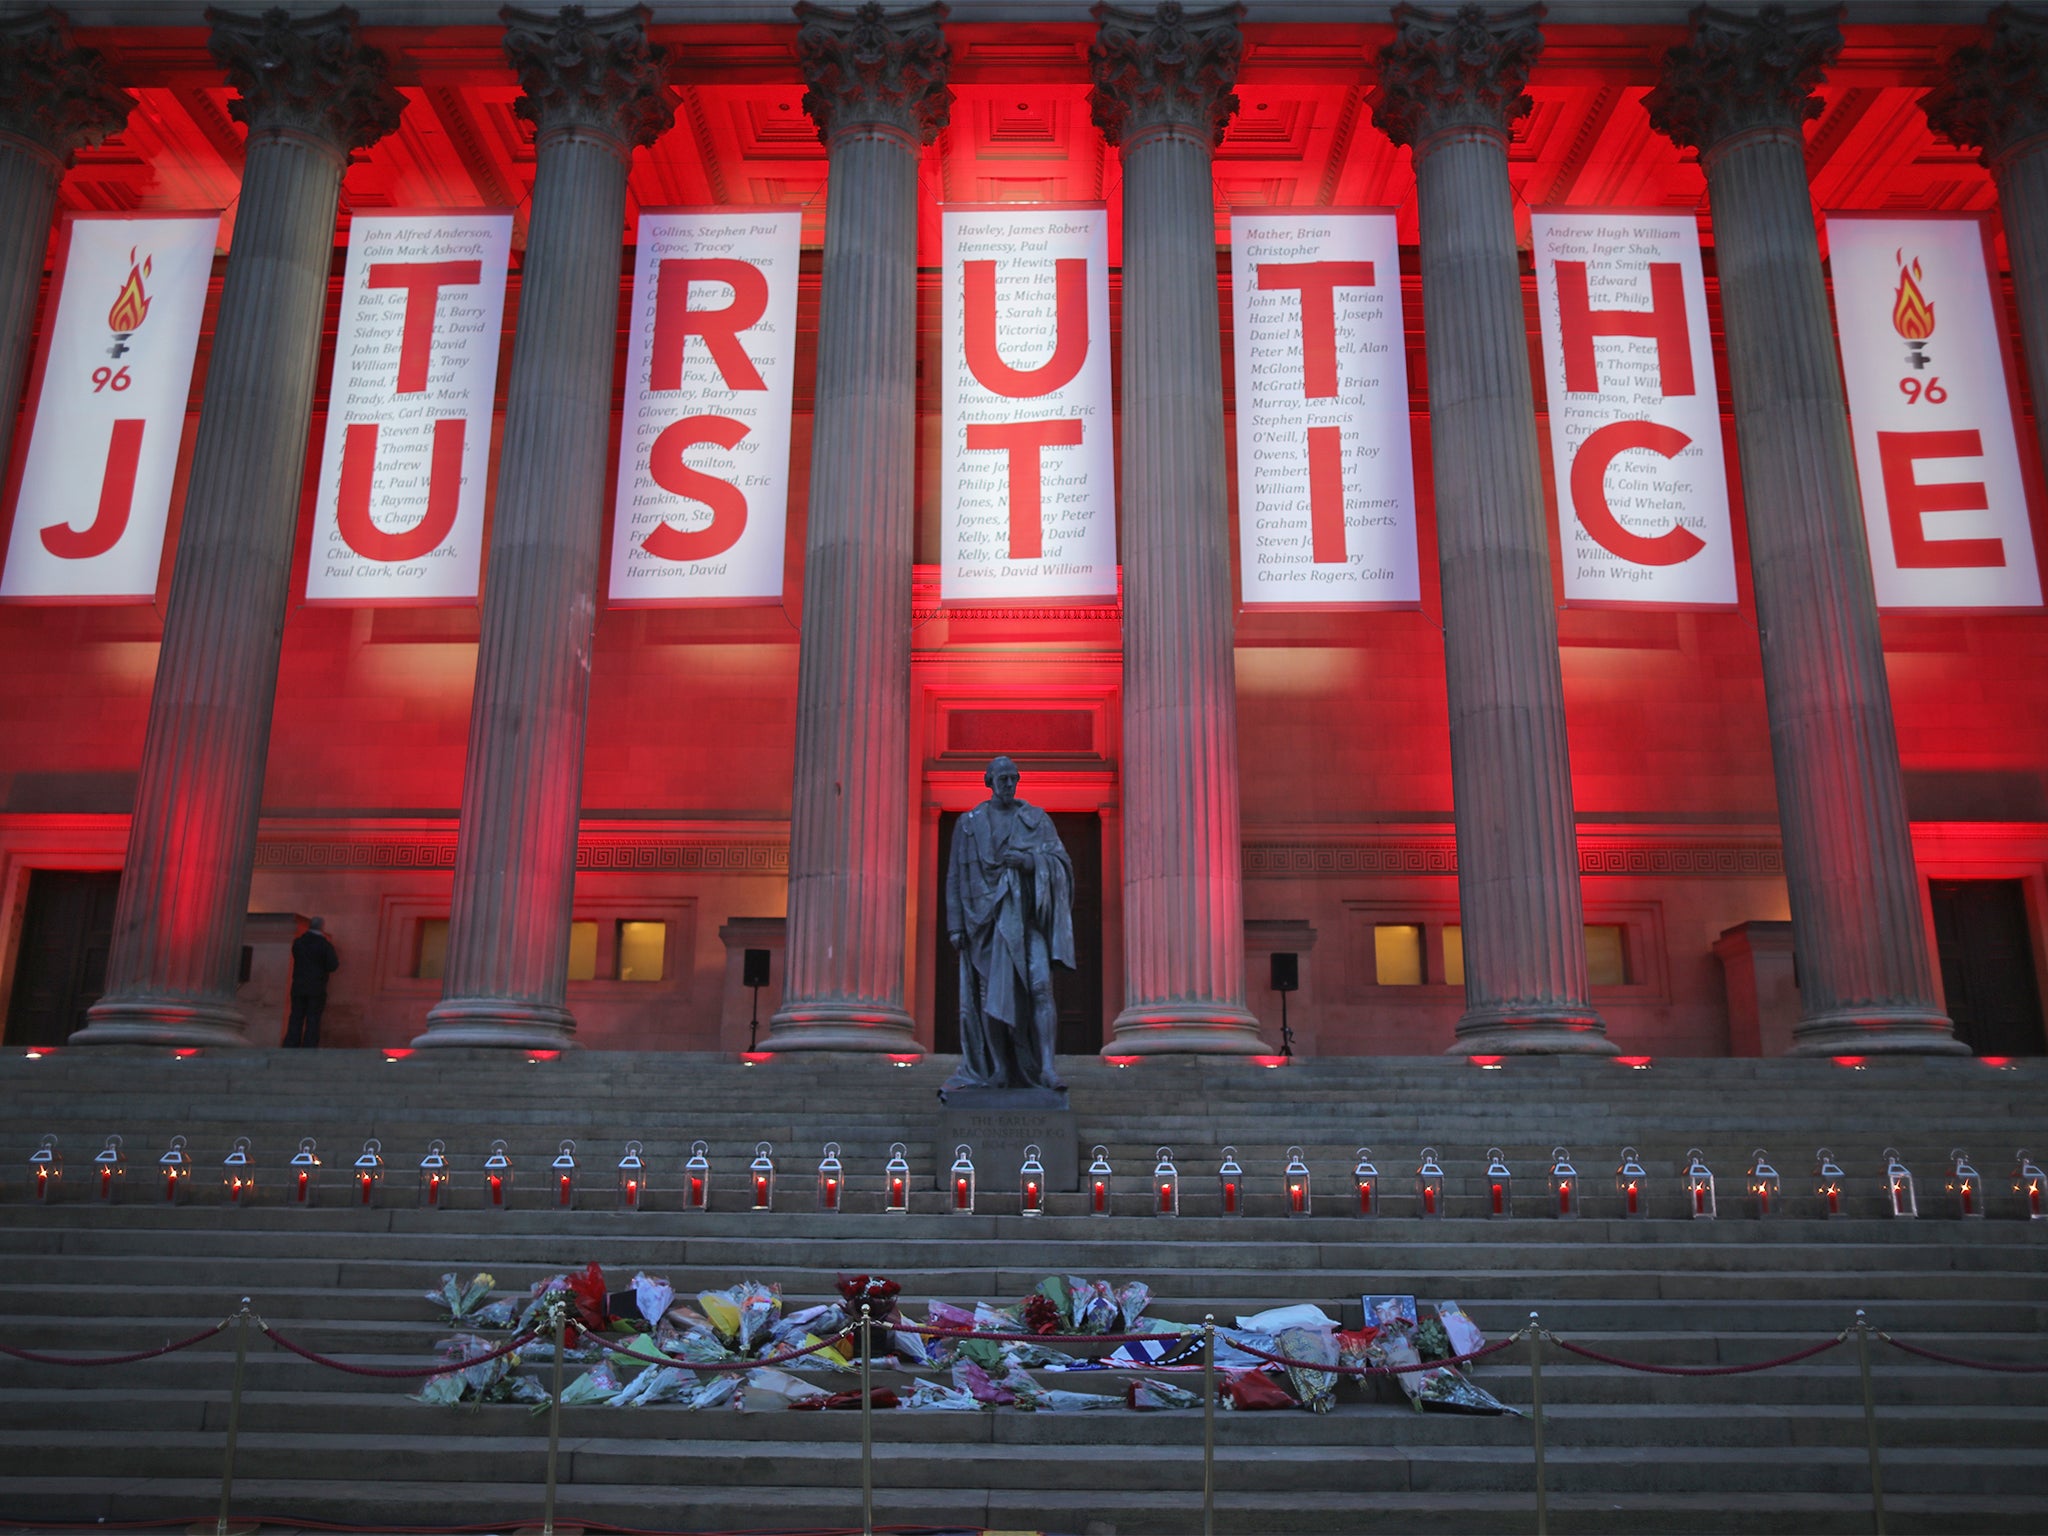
point(313, 961)
point(1010, 914)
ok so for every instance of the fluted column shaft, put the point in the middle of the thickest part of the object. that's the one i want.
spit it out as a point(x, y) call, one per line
point(1865, 981)
point(310, 95)
point(877, 94)
point(1163, 93)
point(55, 98)
point(28, 191)
point(2022, 180)
point(1453, 85)
point(510, 916)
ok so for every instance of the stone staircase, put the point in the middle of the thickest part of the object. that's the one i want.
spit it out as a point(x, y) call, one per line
point(1782, 1451)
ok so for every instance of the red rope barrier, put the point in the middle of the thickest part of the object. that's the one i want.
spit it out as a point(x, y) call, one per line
point(141, 1354)
point(1968, 1365)
point(402, 1372)
point(1024, 1338)
point(1381, 1370)
point(1696, 1370)
point(719, 1365)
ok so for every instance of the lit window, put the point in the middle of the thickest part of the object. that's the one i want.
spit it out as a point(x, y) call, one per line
point(431, 963)
point(1397, 954)
point(641, 948)
point(1606, 955)
point(583, 951)
point(1454, 955)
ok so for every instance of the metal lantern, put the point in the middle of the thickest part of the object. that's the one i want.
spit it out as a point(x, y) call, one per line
point(831, 1178)
point(1699, 1185)
point(1828, 1181)
point(369, 1172)
point(763, 1170)
point(697, 1179)
point(434, 1176)
point(1429, 1186)
point(963, 1180)
point(45, 1170)
point(1031, 1182)
point(1366, 1180)
point(107, 1170)
point(1898, 1186)
point(305, 1174)
point(1166, 1185)
point(1298, 1191)
point(498, 1176)
point(896, 1177)
point(1230, 1183)
point(564, 1167)
point(238, 1174)
point(1564, 1185)
point(632, 1179)
point(1500, 1184)
point(1965, 1185)
point(2031, 1185)
point(1762, 1182)
point(1098, 1183)
point(1632, 1183)
point(173, 1169)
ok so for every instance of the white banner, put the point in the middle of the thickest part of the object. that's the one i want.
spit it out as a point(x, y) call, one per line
point(1945, 501)
point(1635, 417)
point(400, 517)
point(1028, 467)
point(107, 408)
point(703, 490)
point(1325, 469)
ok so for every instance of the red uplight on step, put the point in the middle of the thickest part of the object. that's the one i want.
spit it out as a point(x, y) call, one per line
point(755, 1058)
point(1853, 1062)
point(1269, 1061)
point(1487, 1063)
point(1996, 1063)
point(904, 1061)
point(184, 1051)
point(37, 1053)
point(542, 1055)
point(1638, 1062)
point(1121, 1061)
point(397, 1052)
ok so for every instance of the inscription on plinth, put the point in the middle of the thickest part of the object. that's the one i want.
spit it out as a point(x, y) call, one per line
point(999, 1124)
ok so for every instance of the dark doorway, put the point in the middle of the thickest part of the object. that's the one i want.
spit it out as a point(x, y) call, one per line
point(62, 965)
point(1079, 991)
point(1987, 965)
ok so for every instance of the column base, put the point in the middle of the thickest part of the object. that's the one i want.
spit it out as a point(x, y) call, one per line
point(163, 1021)
point(1877, 1032)
point(1185, 1029)
point(500, 1023)
point(828, 1026)
point(1528, 1032)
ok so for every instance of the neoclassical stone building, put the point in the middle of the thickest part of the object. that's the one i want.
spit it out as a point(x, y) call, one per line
point(1492, 819)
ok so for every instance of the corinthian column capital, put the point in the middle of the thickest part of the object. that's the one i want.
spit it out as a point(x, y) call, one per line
point(1994, 93)
point(305, 75)
point(53, 93)
point(599, 74)
point(1739, 73)
point(1173, 68)
point(870, 68)
point(1455, 69)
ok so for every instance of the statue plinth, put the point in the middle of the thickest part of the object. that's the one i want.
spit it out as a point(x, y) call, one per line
point(998, 1124)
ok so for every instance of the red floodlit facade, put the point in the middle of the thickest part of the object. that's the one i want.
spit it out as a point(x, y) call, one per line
point(1344, 799)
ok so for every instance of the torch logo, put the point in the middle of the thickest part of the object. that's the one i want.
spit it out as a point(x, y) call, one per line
point(1912, 315)
point(131, 305)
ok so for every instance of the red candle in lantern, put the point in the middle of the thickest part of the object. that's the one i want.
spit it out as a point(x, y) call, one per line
point(1230, 1197)
point(959, 1194)
point(1165, 1197)
point(1632, 1197)
point(831, 1194)
point(42, 1183)
point(171, 1184)
point(1699, 1198)
point(895, 1191)
point(760, 1189)
point(2033, 1197)
point(1098, 1194)
point(1296, 1194)
point(365, 1186)
point(1969, 1193)
point(434, 1189)
point(1428, 1200)
point(497, 1190)
point(1834, 1198)
point(106, 1183)
point(696, 1190)
point(1499, 1200)
point(301, 1195)
point(1564, 1199)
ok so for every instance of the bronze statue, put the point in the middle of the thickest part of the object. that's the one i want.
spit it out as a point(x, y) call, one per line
point(1010, 914)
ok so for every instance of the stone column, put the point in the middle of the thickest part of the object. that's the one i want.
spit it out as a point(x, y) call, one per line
point(1994, 99)
point(878, 95)
point(594, 91)
point(310, 93)
point(1452, 86)
point(1739, 91)
point(55, 98)
point(1162, 96)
